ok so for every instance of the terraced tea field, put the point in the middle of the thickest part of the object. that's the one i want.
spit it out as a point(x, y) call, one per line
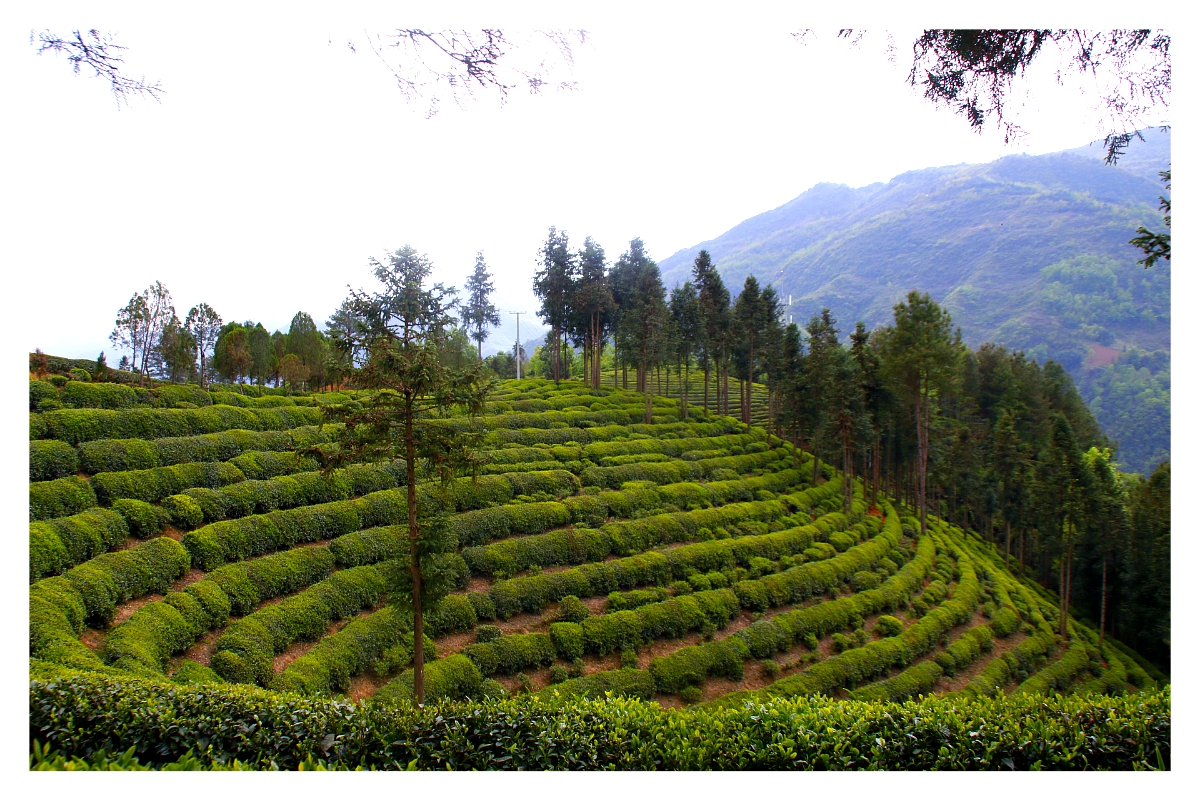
point(679, 561)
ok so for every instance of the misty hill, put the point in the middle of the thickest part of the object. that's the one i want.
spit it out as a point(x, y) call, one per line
point(1027, 251)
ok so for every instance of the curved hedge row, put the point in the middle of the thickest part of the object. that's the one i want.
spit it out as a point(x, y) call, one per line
point(614, 538)
point(60, 498)
point(152, 485)
point(860, 664)
point(50, 459)
point(58, 544)
point(87, 424)
point(245, 652)
point(119, 455)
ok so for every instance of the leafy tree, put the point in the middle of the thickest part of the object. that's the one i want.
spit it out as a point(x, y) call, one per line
point(231, 355)
point(922, 359)
point(407, 327)
point(129, 332)
point(204, 324)
point(177, 351)
point(553, 284)
point(844, 414)
point(713, 300)
point(622, 281)
point(262, 355)
point(291, 368)
point(748, 314)
point(876, 399)
point(644, 320)
point(1065, 485)
point(478, 313)
point(592, 307)
point(307, 343)
point(279, 345)
point(685, 327)
point(819, 378)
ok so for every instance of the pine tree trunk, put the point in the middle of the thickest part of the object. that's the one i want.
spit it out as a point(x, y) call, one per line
point(706, 389)
point(922, 458)
point(847, 473)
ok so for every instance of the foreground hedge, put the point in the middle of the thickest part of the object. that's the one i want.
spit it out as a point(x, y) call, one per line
point(80, 714)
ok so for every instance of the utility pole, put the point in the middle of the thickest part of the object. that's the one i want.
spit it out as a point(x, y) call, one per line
point(517, 349)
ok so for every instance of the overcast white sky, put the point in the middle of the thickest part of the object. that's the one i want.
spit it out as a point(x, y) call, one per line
point(277, 162)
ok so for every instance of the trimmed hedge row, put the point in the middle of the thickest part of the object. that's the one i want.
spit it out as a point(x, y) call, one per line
point(235, 540)
point(58, 544)
point(625, 682)
point(87, 424)
point(614, 538)
point(232, 540)
point(60, 498)
point(533, 435)
point(677, 471)
point(162, 628)
point(80, 715)
point(917, 680)
point(245, 652)
point(50, 459)
point(860, 664)
point(451, 678)
point(510, 654)
point(691, 665)
point(152, 485)
point(624, 630)
point(112, 578)
point(532, 593)
point(1060, 673)
point(329, 665)
point(119, 455)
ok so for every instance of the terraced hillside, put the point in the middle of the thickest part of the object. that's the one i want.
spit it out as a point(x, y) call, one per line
point(679, 561)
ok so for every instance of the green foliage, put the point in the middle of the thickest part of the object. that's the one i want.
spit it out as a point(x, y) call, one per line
point(50, 459)
point(59, 498)
point(888, 625)
point(572, 609)
point(143, 519)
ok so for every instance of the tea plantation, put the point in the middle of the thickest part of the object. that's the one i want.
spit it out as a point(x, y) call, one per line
point(675, 595)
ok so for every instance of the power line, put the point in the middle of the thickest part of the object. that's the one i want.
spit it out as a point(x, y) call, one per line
point(517, 347)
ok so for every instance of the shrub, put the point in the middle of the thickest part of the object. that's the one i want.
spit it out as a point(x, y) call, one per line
point(559, 673)
point(184, 511)
point(629, 659)
point(56, 544)
point(572, 609)
point(769, 668)
point(618, 682)
point(888, 625)
point(568, 639)
point(59, 498)
point(50, 459)
point(112, 578)
point(509, 654)
point(841, 541)
point(451, 678)
point(691, 694)
point(487, 633)
point(143, 519)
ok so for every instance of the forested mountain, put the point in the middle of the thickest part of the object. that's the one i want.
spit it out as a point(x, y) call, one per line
point(1028, 251)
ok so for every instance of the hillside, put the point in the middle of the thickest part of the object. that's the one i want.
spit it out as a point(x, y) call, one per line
point(1028, 251)
point(186, 556)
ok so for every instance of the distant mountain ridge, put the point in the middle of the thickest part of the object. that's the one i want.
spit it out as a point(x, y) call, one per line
point(1027, 251)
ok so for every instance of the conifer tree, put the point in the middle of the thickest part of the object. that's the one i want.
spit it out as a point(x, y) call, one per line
point(478, 313)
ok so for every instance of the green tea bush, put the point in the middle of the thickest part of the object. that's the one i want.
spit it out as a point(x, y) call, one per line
point(152, 485)
point(50, 459)
point(357, 647)
point(57, 544)
point(487, 633)
point(184, 511)
point(59, 498)
point(888, 625)
point(78, 394)
point(144, 520)
point(626, 601)
point(572, 609)
point(509, 654)
point(690, 666)
point(452, 678)
point(112, 578)
point(245, 651)
point(567, 638)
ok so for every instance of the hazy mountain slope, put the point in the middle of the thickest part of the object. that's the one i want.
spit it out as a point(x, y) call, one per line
point(1027, 251)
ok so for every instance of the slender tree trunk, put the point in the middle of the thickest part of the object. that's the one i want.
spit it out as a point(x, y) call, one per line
point(875, 473)
point(706, 389)
point(847, 473)
point(816, 466)
point(922, 458)
point(1007, 542)
point(1022, 553)
point(624, 376)
point(414, 535)
point(647, 387)
point(687, 386)
point(1103, 601)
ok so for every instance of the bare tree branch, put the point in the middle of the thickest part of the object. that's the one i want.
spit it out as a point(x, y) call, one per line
point(102, 54)
point(465, 62)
